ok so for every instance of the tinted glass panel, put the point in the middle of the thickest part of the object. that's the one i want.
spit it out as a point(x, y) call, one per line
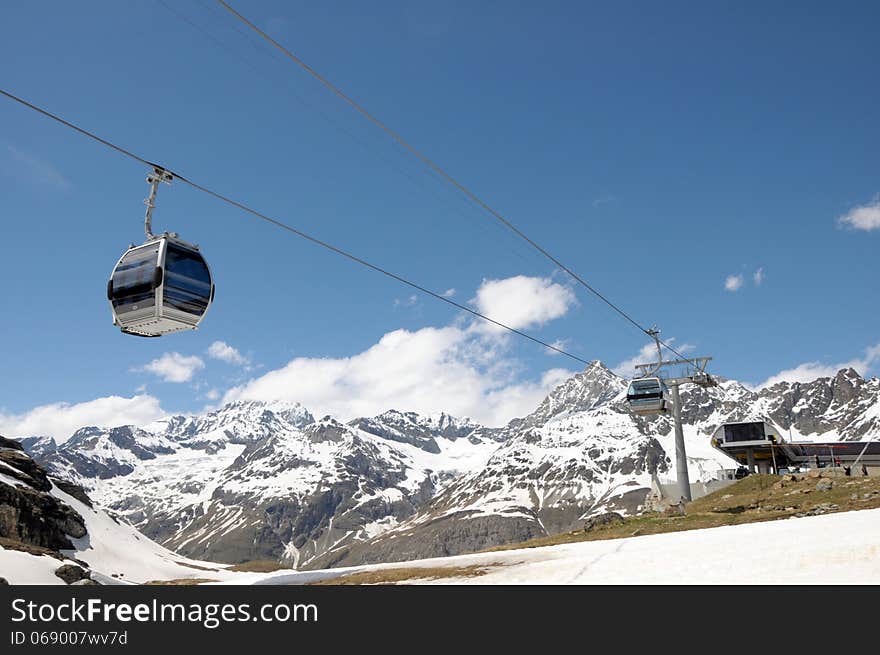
point(635, 398)
point(744, 432)
point(644, 388)
point(133, 279)
point(187, 281)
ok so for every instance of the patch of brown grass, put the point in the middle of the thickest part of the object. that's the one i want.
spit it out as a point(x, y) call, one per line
point(259, 566)
point(753, 499)
point(393, 576)
point(14, 544)
point(180, 582)
point(196, 566)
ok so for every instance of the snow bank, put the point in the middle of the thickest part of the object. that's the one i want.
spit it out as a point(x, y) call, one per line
point(118, 551)
point(23, 568)
point(841, 548)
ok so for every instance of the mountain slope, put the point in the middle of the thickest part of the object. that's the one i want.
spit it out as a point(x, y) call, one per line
point(50, 533)
point(582, 453)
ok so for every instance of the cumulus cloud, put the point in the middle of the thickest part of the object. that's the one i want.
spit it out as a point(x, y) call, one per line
point(409, 301)
point(448, 293)
point(174, 367)
point(463, 369)
point(522, 302)
point(452, 369)
point(864, 217)
point(809, 371)
point(61, 420)
point(226, 353)
point(733, 282)
point(758, 277)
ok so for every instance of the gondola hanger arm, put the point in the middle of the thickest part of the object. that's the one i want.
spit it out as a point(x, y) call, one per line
point(153, 179)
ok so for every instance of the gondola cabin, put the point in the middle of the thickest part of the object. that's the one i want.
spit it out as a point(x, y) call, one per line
point(160, 287)
point(647, 396)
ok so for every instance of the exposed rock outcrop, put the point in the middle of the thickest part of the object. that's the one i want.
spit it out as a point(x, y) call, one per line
point(28, 513)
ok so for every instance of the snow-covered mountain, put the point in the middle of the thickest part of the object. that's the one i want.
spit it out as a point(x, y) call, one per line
point(51, 533)
point(581, 452)
point(255, 480)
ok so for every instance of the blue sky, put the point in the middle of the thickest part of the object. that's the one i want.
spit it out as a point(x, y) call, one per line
point(666, 153)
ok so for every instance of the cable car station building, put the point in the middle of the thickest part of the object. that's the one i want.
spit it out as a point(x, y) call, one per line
point(759, 446)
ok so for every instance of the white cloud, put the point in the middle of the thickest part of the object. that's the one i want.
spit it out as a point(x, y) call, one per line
point(733, 282)
point(450, 369)
point(226, 353)
point(37, 170)
point(809, 371)
point(61, 420)
point(462, 369)
point(864, 217)
point(627, 368)
point(521, 302)
point(758, 277)
point(559, 343)
point(406, 302)
point(174, 367)
point(448, 293)
point(213, 394)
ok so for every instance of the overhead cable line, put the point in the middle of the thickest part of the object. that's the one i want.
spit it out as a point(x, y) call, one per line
point(285, 226)
point(440, 171)
point(515, 247)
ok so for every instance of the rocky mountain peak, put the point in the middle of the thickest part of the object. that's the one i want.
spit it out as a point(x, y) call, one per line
point(846, 385)
point(415, 429)
point(596, 385)
point(39, 446)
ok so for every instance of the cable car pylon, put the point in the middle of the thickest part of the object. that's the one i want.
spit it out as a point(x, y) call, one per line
point(648, 394)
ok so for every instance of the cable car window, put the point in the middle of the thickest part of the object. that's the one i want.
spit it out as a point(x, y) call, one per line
point(644, 388)
point(187, 281)
point(133, 280)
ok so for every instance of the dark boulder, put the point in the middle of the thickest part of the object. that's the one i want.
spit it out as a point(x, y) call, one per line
point(71, 573)
point(602, 520)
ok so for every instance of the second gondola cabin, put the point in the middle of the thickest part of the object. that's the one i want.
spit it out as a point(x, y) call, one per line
point(160, 287)
point(647, 396)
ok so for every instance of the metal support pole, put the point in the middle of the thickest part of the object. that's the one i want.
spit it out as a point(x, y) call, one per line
point(153, 179)
point(684, 482)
